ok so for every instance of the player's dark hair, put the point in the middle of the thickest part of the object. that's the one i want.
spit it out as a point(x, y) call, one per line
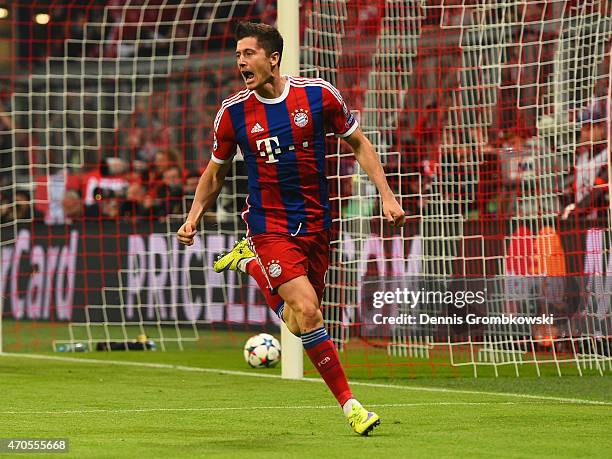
point(268, 37)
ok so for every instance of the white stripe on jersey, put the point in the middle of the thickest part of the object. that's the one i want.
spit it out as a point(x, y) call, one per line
point(236, 98)
point(301, 82)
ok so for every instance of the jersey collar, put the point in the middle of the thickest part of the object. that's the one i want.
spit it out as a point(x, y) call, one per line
point(278, 99)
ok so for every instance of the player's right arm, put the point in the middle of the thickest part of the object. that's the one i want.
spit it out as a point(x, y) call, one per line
point(206, 194)
point(211, 181)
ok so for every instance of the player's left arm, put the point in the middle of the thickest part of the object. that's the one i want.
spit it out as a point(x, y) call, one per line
point(369, 161)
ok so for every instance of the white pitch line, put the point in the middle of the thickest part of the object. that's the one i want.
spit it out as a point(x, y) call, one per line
point(219, 371)
point(250, 408)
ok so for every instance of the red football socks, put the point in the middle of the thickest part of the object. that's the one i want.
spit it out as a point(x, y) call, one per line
point(325, 358)
point(318, 345)
point(274, 300)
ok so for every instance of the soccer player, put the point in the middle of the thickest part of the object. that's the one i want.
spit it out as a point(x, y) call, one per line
point(280, 122)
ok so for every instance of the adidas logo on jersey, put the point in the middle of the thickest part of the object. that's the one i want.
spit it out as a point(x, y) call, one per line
point(256, 128)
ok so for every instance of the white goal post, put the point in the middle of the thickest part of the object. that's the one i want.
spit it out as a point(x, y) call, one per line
point(292, 357)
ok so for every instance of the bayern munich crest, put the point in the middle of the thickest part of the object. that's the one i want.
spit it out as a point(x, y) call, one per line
point(274, 268)
point(300, 117)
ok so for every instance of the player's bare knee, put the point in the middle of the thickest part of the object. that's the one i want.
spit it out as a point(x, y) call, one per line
point(295, 306)
point(294, 328)
point(306, 313)
point(291, 321)
point(311, 318)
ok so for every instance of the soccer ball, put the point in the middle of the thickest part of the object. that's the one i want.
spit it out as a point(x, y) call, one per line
point(262, 351)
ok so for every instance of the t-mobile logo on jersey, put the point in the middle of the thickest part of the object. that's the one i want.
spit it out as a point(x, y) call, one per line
point(271, 148)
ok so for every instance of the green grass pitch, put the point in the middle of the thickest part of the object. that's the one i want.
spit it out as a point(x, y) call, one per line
point(205, 402)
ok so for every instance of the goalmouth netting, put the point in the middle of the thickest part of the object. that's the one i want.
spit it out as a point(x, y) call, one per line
point(491, 119)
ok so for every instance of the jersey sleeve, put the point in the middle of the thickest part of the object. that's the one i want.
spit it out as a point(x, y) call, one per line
point(224, 140)
point(338, 117)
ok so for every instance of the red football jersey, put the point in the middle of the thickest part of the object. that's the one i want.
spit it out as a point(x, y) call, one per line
point(282, 141)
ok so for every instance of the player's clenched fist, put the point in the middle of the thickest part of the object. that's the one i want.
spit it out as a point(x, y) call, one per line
point(394, 213)
point(186, 233)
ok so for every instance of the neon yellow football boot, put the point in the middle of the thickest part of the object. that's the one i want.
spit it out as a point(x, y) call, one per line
point(230, 260)
point(361, 420)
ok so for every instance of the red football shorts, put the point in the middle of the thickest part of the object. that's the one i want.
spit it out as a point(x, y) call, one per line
point(283, 257)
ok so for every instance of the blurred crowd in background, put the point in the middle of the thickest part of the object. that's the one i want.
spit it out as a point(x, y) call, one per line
point(110, 28)
point(149, 165)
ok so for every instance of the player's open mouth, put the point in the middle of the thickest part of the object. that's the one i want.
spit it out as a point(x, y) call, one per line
point(248, 76)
